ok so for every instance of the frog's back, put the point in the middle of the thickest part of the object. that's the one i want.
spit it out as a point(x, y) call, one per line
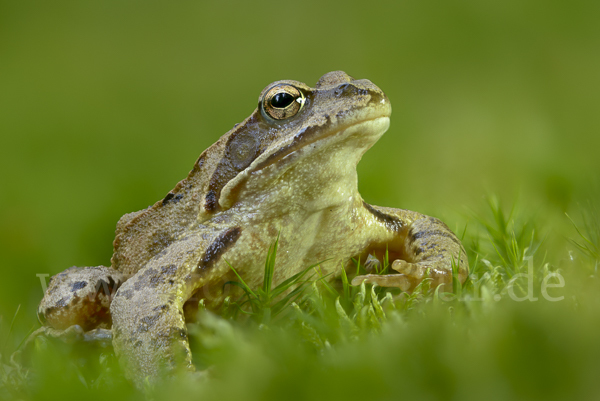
point(142, 235)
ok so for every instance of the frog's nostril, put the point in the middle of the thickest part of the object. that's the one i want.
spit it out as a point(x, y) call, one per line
point(345, 89)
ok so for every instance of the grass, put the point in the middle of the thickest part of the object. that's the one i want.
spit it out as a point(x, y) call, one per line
point(588, 236)
point(504, 334)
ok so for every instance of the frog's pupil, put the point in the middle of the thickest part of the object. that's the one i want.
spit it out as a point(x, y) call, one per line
point(282, 100)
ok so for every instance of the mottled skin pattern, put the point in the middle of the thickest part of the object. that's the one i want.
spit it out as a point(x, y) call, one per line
point(294, 177)
point(80, 296)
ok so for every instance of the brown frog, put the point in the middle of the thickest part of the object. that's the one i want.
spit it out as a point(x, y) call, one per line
point(288, 171)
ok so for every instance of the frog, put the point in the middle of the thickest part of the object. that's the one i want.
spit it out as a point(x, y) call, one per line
point(286, 173)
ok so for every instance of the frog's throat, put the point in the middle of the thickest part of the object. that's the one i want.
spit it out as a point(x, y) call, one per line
point(370, 131)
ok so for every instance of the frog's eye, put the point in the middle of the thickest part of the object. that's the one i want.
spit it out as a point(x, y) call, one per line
point(283, 101)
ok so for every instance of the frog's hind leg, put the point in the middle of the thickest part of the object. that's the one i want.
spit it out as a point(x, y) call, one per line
point(419, 246)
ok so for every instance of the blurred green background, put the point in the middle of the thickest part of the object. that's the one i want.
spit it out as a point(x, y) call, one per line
point(105, 106)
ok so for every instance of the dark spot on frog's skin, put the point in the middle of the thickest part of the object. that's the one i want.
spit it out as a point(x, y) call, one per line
point(161, 307)
point(200, 161)
point(168, 270)
point(158, 278)
point(171, 282)
point(126, 293)
point(161, 340)
point(145, 279)
point(171, 198)
point(438, 256)
point(343, 113)
point(162, 253)
point(418, 249)
point(429, 246)
point(211, 201)
point(78, 285)
point(219, 246)
point(160, 241)
point(61, 303)
point(155, 281)
point(49, 311)
point(423, 234)
point(147, 322)
point(391, 222)
point(349, 90)
point(137, 344)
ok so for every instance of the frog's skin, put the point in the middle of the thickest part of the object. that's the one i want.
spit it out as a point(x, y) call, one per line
point(287, 171)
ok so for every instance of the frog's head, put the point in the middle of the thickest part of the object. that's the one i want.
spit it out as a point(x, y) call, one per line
point(300, 135)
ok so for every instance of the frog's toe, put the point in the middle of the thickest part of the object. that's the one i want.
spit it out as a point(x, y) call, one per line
point(385, 280)
point(414, 270)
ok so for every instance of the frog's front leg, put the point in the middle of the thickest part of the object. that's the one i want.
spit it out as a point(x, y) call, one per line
point(149, 332)
point(419, 246)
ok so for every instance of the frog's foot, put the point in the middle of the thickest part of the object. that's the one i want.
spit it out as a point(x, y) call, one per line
point(408, 277)
point(70, 335)
point(80, 296)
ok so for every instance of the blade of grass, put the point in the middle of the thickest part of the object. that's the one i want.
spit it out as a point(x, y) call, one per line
point(12, 323)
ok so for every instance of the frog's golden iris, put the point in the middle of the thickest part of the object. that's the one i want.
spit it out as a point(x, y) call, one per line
point(282, 101)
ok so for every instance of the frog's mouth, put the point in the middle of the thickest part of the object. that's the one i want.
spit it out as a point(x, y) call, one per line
point(371, 129)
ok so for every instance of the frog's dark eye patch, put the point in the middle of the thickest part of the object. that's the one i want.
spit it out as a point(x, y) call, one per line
point(282, 101)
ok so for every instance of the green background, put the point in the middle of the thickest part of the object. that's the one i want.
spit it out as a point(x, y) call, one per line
point(105, 106)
